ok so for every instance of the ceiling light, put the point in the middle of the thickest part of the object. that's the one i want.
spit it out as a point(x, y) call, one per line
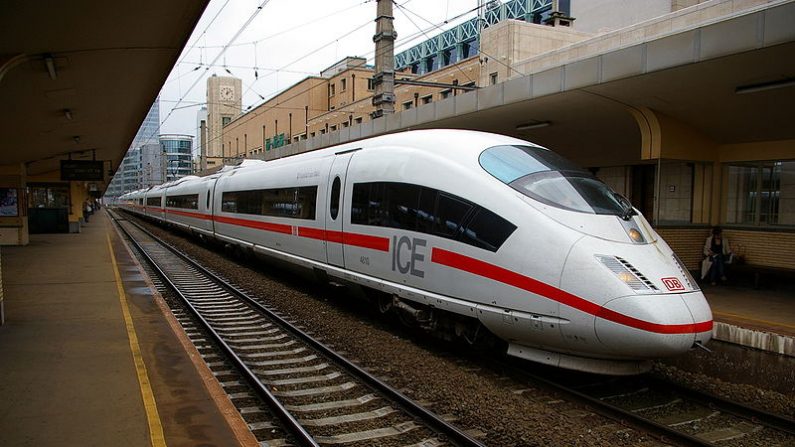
point(762, 86)
point(68, 114)
point(50, 63)
point(531, 126)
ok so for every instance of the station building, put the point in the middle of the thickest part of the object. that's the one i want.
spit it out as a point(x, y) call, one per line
point(678, 105)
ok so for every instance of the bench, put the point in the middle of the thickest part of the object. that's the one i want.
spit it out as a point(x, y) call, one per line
point(757, 272)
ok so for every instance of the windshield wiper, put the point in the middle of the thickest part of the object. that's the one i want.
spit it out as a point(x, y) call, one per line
point(626, 207)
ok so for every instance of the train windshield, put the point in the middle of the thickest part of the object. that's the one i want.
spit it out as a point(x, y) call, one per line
point(551, 179)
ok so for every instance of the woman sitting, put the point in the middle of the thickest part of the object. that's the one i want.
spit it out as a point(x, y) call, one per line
point(717, 251)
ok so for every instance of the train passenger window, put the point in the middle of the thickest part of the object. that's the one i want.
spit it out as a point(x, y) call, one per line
point(153, 201)
point(334, 203)
point(426, 210)
point(402, 209)
point(487, 230)
point(293, 202)
point(450, 213)
point(188, 201)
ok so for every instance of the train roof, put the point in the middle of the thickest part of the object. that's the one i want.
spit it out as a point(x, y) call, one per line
point(455, 144)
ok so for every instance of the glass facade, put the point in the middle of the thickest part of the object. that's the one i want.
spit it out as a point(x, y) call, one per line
point(129, 177)
point(761, 193)
point(178, 150)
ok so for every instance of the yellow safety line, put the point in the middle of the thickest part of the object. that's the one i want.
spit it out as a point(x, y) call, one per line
point(152, 417)
point(742, 317)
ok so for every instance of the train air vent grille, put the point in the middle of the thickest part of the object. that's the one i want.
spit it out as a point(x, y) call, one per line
point(627, 273)
point(691, 282)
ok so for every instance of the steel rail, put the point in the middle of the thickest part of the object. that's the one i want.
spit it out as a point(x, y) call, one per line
point(662, 432)
point(290, 423)
point(453, 433)
point(759, 416)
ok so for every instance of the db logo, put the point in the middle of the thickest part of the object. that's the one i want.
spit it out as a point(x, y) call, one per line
point(673, 284)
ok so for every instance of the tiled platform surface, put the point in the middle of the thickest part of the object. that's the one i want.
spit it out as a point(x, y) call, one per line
point(759, 318)
point(67, 375)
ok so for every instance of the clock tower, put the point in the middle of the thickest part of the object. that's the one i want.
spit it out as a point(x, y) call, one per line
point(224, 103)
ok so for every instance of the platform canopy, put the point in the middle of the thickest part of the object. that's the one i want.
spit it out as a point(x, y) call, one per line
point(78, 77)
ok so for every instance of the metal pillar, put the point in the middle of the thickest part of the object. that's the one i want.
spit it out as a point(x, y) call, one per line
point(384, 78)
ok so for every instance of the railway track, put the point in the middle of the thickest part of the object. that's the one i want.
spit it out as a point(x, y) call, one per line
point(675, 414)
point(318, 396)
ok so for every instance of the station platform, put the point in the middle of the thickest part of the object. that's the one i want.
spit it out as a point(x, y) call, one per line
point(88, 357)
point(762, 319)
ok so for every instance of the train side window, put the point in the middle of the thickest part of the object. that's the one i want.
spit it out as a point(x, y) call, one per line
point(359, 203)
point(153, 201)
point(426, 210)
point(450, 214)
point(293, 202)
point(487, 230)
point(334, 204)
point(188, 201)
point(377, 204)
point(403, 201)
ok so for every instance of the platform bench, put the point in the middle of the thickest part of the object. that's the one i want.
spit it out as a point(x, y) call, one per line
point(757, 272)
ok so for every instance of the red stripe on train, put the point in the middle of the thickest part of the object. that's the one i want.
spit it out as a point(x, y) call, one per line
point(267, 226)
point(491, 271)
point(189, 214)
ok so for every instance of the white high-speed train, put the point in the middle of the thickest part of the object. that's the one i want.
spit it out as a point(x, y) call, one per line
point(461, 230)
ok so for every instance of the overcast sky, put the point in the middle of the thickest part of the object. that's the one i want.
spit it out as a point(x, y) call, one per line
point(287, 41)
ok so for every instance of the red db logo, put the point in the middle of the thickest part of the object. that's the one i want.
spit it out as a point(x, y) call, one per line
point(673, 284)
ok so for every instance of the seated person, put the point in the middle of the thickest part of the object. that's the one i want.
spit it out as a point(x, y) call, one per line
point(716, 248)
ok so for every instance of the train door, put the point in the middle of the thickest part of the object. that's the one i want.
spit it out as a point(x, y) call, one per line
point(335, 191)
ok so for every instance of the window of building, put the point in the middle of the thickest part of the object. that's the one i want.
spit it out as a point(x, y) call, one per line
point(331, 89)
point(312, 134)
point(344, 124)
point(333, 128)
point(187, 201)
point(343, 84)
point(292, 202)
point(225, 120)
point(370, 84)
point(427, 210)
point(322, 131)
point(445, 93)
point(493, 78)
point(153, 201)
point(427, 99)
point(761, 193)
point(408, 104)
point(358, 120)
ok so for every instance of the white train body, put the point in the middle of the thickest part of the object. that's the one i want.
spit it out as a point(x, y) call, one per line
point(464, 222)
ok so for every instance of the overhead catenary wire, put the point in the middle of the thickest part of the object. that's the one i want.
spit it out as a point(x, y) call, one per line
point(217, 57)
point(255, 113)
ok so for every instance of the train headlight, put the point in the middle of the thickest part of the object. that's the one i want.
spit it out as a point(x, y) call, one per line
point(627, 277)
point(626, 273)
point(635, 235)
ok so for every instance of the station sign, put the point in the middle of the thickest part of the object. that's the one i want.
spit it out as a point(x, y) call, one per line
point(81, 170)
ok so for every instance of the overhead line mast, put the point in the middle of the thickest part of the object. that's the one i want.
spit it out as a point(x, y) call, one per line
point(384, 78)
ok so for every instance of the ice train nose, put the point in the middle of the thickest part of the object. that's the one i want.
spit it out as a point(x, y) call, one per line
point(653, 326)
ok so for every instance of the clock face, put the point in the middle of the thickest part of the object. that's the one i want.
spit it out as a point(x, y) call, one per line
point(227, 92)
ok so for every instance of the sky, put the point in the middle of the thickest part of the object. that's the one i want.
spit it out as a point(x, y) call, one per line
point(285, 42)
